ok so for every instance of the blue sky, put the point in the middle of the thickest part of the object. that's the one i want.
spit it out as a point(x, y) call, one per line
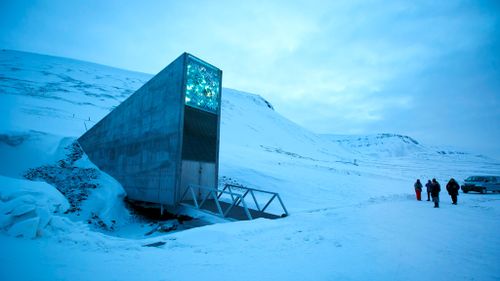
point(425, 69)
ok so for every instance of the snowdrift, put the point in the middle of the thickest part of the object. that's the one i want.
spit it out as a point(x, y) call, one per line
point(27, 208)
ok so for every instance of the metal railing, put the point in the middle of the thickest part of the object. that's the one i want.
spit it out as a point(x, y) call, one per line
point(228, 192)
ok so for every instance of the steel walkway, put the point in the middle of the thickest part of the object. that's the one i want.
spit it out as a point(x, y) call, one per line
point(230, 202)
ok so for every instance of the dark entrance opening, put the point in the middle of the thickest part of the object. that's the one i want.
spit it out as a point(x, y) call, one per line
point(200, 135)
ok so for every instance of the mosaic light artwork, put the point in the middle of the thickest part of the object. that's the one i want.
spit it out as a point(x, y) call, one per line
point(202, 85)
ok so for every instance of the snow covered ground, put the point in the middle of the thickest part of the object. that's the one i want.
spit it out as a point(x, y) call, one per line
point(353, 212)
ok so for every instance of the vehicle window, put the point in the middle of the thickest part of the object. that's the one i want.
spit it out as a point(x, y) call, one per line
point(476, 179)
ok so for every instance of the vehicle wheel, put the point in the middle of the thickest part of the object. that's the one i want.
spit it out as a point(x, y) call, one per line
point(483, 191)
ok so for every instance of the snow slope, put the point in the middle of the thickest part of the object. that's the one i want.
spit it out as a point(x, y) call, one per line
point(353, 216)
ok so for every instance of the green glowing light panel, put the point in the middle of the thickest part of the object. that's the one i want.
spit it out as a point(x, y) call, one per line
point(203, 85)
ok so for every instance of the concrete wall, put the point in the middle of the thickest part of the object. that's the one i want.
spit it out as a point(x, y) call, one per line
point(140, 142)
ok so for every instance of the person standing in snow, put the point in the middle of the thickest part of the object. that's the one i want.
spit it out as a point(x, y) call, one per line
point(435, 189)
point(428, 185)
point(418, 189)
point(452, 187)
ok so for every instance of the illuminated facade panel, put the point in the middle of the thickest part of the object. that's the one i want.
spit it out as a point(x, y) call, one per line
point(203, 85)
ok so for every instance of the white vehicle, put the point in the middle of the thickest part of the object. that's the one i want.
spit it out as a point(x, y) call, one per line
point(481, 184)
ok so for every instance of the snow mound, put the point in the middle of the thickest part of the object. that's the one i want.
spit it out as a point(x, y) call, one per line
point(26, 149)
point(93, 195)
point(27, 207)
point(105, 205)
point(90, 195)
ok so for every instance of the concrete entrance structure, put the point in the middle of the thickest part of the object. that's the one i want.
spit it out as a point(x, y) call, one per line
point(165, 136)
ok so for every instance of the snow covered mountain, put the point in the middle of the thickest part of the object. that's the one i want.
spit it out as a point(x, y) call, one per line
point(394, 145)
point(47, 102)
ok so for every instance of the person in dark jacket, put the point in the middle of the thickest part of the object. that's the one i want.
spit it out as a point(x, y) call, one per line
point(418, 189)
point(436, 188)
point(428, 186)
point(452, 187)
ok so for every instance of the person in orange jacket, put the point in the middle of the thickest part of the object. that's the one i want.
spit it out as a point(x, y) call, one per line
point(418, 189)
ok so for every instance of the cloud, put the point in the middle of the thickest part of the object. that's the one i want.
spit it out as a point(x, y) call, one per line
point(332, 66)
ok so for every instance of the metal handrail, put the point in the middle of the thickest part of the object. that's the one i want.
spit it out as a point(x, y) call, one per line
point(236, 198)
point(275, 195)
point(251, 188)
